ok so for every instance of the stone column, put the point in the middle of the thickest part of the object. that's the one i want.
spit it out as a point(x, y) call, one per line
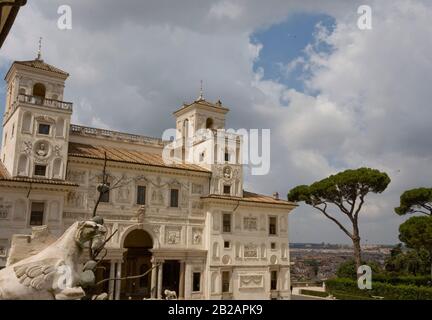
point(159, 283)
point(153, 280)
point(182, 281)
point(188, 281)
point(118, 282)
point(112, 282)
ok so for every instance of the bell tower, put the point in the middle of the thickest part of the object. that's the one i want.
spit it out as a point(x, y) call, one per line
point(205, 142)
point(36, 121)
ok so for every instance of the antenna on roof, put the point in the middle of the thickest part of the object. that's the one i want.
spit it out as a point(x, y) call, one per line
point(39, 55)
point(201, 92)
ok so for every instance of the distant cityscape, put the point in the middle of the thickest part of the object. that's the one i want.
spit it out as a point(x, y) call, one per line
point(316, 262)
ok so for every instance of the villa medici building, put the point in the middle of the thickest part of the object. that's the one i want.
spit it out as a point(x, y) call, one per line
point(208, 237)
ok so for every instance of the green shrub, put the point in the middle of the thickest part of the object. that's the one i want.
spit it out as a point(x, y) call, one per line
point(405, 280)
point(381, 289)
point(314, 293)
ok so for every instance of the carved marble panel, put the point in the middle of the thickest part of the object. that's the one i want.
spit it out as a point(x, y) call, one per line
point(251, 250)
point(77, 176)
point(5, 209)
point(172, 235)
point(3, 247)
point(197, 188)
point(123, 194)
point(196, 236)
point(75, 199)
point(250, 223)
point(250, 281)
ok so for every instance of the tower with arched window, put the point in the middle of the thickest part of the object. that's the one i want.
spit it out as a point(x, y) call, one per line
point(206, 142)
point(36, 121)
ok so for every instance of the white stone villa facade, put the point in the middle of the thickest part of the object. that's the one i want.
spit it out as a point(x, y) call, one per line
point(210, 238)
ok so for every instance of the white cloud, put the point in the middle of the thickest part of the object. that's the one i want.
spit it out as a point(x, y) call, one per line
point(132, 65)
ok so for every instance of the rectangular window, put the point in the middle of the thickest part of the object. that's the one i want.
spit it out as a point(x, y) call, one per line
point(227, 190)
point(226, 275)
point(273, 245)
point(105, 197)
point(227, 244)
point(227, 222)
point(226, 156)
point(141, 195)
point(174, 198)
point(196, 281)
point(273, 280)
point(40, 170)
point(43, 128)
point(36, 214)
point(272, 226)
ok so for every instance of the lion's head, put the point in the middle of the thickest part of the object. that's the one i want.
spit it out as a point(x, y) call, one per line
point(90, 230)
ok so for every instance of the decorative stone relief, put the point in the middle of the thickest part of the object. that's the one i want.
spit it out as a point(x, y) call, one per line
point(5, 208)
point(197, 188)
point(157, 197)
point(75, 199)
point(141, 214)
point(28, 147)
point(3, 247)
point(250, 250)
point(250, 281)
point(76, 176)
point(123, 194)
point(57, 150)
point(172, 235)
point(227, 172)
point(250, 223)
point(226, 259)
point(196, 236)
point(273, 259)
point(41, 149)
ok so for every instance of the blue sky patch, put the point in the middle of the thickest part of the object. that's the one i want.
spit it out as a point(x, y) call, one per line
point(285, 42)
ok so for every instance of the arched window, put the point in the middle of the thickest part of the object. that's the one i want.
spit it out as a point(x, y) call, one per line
point(57, 169)
point(60, 127)
point(215, 250)
point(39, 90)
point(263, 251)
point(23, 165)
point(186, 129)
point(22, 91)
point(209, 123)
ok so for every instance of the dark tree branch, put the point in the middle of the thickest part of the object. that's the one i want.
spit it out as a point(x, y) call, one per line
point(324, 211)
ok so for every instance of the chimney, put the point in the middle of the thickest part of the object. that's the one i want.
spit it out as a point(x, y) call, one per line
point(276, 195)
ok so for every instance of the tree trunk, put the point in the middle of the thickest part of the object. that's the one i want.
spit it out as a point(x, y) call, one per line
point(357, 252)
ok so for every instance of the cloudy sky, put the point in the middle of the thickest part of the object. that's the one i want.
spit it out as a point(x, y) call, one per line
point(334, 96)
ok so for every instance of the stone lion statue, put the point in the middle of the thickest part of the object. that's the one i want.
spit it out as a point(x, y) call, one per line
point(55, 272)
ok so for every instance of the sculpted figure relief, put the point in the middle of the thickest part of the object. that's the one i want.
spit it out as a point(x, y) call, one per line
point(54, 273)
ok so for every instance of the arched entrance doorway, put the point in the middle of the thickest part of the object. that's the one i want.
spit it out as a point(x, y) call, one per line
point(137, 260)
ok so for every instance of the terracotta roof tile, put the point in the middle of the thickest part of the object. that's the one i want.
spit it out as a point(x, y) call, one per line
point(4, 176)
point(251, 197)
point(127, 156)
